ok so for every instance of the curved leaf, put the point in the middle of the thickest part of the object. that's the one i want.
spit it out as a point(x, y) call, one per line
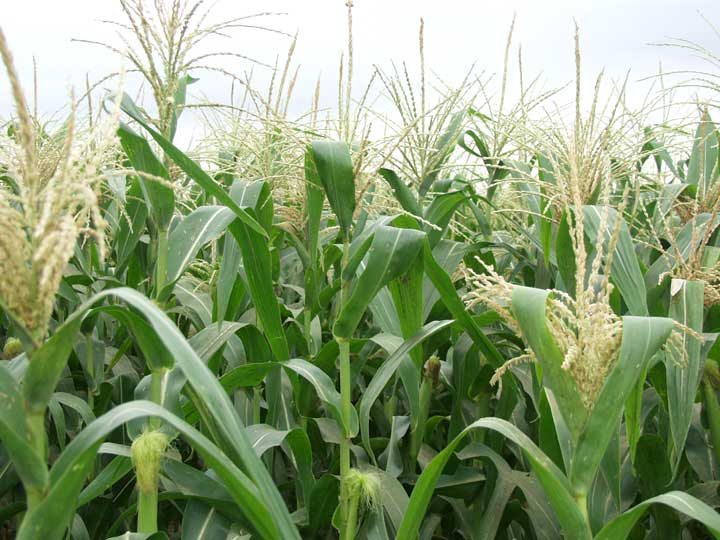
point(402, 192)
point(30, 467)
point(625, 270)
point(159, 197)
point(620, 527)
point(325, 389)
point(449, 296)
point(233, 438)
point(642, 337)
point(385, 372)
point(49, 518)
point(392, 250)
point(528, 306)
point(194, 231)
point(191, 168)
point(556, 486)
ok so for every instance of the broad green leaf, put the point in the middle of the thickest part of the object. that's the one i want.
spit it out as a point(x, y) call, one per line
point(130, 229)
point(385, 372)
point(30, 467)
point(391, 458)
point(47, 364)
point(335, 169)
point(633, 413)
point(264, 437)
point(611, 470)
point(257, 264)
point(323, 502)
point(194, 231)
point(408, 371)
point(229, 289)
point(255, 196)
point(203, 486)
point(620, 527)
point(358, 250)
point(153, 176)
point(58, 418)
point(565, 254)
point(325, 389)
point(439, 213)
point(179, 102)
point(402, 192)
point(232, 437)
point(392, 250)
point(314, 197)
point(191, 168)
point(112, 473)
point(76, 403)
point(529, 306)
point(449, 296)
point(642, 338)
point(702, 168)
point(210, 339)
point(246, 375)
point(394, 498)
point(203, 522)
point(172, 382)
point(539, 511)
point(155, 354)
point(449, 253)
point(52, 515)
point(556, 486)
point(686, 307)
point(196, 303)
point(625, 270)
point(407, 296)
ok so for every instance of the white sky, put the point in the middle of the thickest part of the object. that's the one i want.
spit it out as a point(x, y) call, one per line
point(614, 34)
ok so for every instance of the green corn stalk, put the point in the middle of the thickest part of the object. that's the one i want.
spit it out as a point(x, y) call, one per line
point(431, 374)
point(335, 170)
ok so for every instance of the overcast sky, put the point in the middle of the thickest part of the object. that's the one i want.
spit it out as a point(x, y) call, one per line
point(615, 36)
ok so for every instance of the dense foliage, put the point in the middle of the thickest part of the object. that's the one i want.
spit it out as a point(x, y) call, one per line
point(487, 322)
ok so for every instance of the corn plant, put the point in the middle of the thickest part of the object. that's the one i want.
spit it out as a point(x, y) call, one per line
point(490, 323)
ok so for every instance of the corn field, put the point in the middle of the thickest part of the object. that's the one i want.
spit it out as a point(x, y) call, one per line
point(433, 311)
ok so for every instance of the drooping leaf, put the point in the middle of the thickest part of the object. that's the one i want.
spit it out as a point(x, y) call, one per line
point(556, 486)
point(620, 527)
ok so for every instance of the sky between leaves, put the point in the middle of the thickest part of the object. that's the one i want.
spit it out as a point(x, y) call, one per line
point(615, 36)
